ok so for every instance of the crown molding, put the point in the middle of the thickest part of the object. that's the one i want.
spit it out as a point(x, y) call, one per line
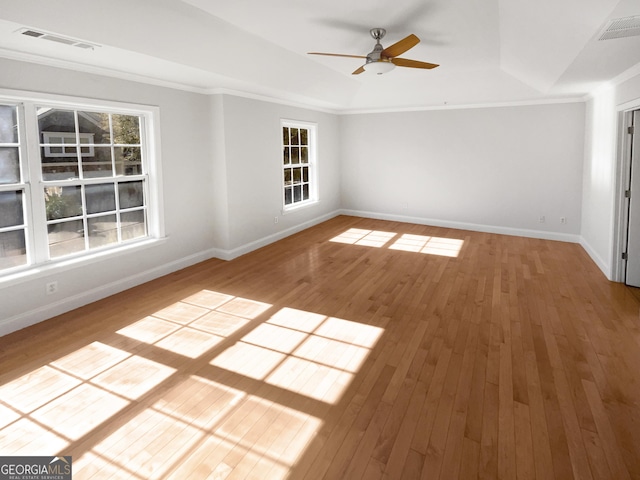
point(107, 72)
point(306, 103)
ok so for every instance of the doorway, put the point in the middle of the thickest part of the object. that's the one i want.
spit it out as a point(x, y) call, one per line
point(631, 255)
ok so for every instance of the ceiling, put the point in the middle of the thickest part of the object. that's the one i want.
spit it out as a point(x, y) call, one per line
point(489, 51)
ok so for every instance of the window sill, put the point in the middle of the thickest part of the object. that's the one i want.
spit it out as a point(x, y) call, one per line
point(296, 208)
point(62, 265)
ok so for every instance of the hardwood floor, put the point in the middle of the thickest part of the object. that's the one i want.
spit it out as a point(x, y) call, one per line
point(355, 349)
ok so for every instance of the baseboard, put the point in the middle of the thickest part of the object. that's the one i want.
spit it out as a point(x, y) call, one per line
point(269, 239)
point(40, 314)
point(519, 232)
point(34, 316)
point(67, 304)
point(602, 265)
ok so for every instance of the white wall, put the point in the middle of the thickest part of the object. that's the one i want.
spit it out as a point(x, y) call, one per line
point(602, 172)
point(598, 200)
point(253, 165)
point(187, 172)
point(219, 200)
point(491, 169)
point(221, 163)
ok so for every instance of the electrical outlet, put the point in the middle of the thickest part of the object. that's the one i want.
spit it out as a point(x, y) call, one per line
point(51, 288)
point(563, 220)
point(275, 220)
point(541, 219)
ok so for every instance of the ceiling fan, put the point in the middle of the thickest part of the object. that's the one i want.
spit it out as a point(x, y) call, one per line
point(382, 60)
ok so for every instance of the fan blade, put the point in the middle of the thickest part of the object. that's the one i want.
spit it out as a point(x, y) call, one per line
point(335, 55)
point(405, 62)
point(358, 71)
point(400, 47)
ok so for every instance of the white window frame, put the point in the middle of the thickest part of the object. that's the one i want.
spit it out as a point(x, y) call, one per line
point(38, 262)
point(312, 137)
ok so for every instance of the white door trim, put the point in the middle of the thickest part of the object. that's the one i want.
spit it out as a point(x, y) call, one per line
point(623, 167)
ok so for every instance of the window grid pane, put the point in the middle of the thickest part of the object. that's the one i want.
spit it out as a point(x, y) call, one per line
point(13, 249)
point(9, 165)
point(66, 238)
point(9, 145)
point(134, 224)
point(103, 231)
point(100, 198)
point(12, 209)
point(8, 124)
point(63, 202)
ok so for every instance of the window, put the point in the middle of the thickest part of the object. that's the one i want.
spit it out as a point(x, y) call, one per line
point(64, 144)
point(298, 151)
point(73, 180)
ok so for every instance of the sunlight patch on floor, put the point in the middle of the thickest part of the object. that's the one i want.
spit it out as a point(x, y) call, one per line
point(192, 329)
point(149, 444)
point(174, 427)
point(25, 437)
point(79, 411)
point(200, 401)
point(133, 377)
point(149, 329)
point(306, 353)
point(181, 312)
point(90, 360)
point(249, 360)
point(260, 439)
point(204, 426)
point(37, 388)
point(233, 413)
point(446, 247)
point(53, 405)
point(367, 238)
point(189, 342)
point(7, 416)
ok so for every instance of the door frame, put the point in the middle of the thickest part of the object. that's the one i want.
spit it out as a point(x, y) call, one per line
point(623, 179)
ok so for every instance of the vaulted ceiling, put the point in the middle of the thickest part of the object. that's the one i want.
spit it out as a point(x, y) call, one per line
point(489, 51)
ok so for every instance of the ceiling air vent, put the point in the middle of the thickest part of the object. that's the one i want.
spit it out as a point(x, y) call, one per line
point(622, 27)
point(57, 38)
point(32, 33)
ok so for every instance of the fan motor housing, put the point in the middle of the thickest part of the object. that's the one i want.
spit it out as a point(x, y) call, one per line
point(376, 54)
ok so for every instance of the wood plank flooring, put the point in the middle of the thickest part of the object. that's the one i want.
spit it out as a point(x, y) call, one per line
point(355, 349)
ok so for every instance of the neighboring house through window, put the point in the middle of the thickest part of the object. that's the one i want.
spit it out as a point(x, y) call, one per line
point(63, 144)
point(299, 162)
point(74, 179)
